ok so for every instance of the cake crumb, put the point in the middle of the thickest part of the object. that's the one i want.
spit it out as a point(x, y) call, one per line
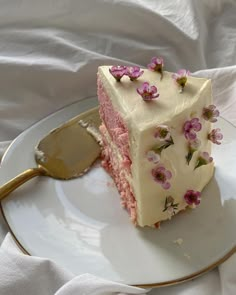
point(92, 130)
point(83, 124)
point(110, 184)
point(187, 256)
point(40, 155)
point(178, 241)
point(157, 225)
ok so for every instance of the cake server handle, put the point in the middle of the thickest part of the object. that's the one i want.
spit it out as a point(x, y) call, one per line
point(20, 179)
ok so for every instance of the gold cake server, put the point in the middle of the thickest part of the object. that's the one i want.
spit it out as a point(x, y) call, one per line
point(65, 153)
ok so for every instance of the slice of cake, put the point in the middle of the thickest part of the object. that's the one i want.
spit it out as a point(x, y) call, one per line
point(156, 139)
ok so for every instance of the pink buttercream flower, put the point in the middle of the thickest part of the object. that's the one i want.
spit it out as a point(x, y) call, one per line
point(153, 157)
point(215, 136)
point(148, 92)
point(192, 197)
point(156, 64)
point(133, 73)
point(161, 175)
point(203, 159)
point(191, 127)
point(181, 77)
point(117, 72)
point(162, 133)
point(210, 113)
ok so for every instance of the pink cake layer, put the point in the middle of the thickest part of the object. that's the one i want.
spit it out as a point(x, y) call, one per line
point(114, 127)
point(113, 122)
point(118, 171)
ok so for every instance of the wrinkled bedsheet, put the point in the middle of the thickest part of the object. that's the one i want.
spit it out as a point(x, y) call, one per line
point(50, 51)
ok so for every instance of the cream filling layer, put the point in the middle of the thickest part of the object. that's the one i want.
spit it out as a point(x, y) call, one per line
point(118, 156)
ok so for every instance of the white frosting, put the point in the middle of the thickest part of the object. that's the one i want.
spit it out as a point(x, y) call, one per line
point(40, 155)
point(173, 109)
point(142, 114)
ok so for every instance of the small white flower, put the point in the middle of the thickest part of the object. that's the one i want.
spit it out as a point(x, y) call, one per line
point(170, 210)
point(153, 157)
point(162, 133)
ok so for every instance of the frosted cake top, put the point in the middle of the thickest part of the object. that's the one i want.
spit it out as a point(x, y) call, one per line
point(168, 101)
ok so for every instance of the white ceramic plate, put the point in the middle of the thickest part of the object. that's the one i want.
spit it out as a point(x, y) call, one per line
point(80, 224)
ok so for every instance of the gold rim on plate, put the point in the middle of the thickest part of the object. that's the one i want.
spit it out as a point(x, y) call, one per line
point(162, 284)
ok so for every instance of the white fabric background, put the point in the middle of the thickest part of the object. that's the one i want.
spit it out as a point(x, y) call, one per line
point(49, 54)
